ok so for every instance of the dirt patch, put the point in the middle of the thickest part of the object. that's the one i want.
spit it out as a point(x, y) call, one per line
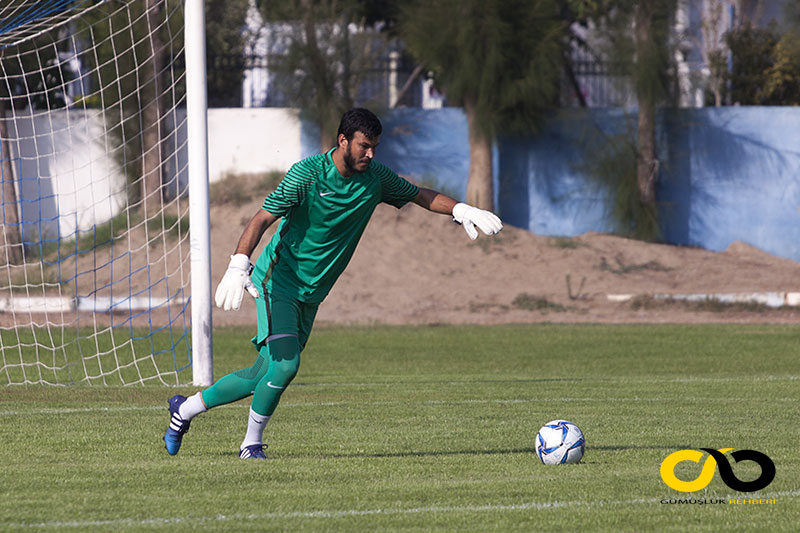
point(414, 267)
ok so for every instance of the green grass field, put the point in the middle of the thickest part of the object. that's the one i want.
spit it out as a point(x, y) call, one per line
point(423, 429)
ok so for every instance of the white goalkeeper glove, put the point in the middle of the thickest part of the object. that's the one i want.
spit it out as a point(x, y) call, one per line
point(469, 217)
point(236, 279)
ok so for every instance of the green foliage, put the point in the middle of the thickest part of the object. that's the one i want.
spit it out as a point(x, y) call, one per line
point(583, 9)
point(325, 62)
point(32, 74)
point(239, 189)
point(531, 302)
point(611, 162)
point(752, 49)
point(565, 243)
point(225, 40)
point(268, 181)
point(766, 65)
point(505, 57)
point(782, 85)
point(648, 55)
point(623, 267)
point(718, 69)
point(423, 429)
point(131, 66)
point(53, 250)
point(100, 236)
point(172, 225)
point(231, 189)
point(635, 34)
point(652, 63)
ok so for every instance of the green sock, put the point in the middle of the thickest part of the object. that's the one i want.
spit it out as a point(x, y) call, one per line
point(236, 385)
point(283, 365)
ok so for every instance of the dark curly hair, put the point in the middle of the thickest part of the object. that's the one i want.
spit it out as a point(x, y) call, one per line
point(359, 119)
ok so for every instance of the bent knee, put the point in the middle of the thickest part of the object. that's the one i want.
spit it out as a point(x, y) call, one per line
point(282, 372)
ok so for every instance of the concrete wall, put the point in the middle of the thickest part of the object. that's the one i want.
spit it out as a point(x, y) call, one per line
point(727, 174)
point(68, 183)
point(65, 180)
point(252, 140)
point(733, 174)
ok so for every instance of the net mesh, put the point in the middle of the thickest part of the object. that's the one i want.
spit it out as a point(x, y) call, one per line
point(94, 256)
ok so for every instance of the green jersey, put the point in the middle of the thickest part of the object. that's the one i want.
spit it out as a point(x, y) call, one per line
point(323, 218)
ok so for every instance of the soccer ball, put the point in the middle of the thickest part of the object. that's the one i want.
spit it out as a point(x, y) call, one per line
point(560, 442)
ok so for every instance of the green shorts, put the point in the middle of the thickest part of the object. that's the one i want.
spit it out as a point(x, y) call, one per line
point(280, 316)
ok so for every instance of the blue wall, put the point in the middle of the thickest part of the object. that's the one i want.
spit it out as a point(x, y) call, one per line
point(733, 174)
point(429, 146)
point(727, 174)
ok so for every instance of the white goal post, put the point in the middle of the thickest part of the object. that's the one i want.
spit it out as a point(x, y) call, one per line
point(105, 250)
point(197, 114)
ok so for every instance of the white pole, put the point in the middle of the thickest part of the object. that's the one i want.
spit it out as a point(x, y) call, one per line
point(199, 223)
point(394, 61)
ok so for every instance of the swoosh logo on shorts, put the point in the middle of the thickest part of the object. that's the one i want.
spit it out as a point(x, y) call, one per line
point(326, 193)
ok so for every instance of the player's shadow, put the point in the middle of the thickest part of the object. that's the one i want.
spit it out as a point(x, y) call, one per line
point(436, 453)
point(449, 453)
point(496, 451)
point(623, 447)
point(449, 382)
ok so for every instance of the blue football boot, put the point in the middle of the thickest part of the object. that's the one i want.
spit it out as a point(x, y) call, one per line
point(254, 451)
point(177, 425)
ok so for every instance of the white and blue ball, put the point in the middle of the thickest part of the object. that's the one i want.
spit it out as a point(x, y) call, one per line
point(560, 442)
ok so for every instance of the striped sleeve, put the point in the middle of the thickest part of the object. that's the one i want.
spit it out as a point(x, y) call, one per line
point(294, 187)
point(396, 190)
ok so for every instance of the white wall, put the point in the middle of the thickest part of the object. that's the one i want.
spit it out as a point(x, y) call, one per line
point(65, 179)
point(67, 182)
point(252, 140)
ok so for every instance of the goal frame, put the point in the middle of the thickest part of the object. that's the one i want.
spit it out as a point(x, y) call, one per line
point(79, 304)
point(199, 219)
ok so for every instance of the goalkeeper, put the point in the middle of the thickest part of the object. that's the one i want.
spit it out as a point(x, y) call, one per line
point(325, 203)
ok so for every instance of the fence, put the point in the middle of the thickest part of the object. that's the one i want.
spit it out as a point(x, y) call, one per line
point(381, 83)
point(263, 86)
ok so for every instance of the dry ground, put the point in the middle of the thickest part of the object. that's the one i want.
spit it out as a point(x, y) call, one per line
point(414, 267)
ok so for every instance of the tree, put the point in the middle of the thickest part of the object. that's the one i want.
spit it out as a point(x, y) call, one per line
point(134, 60)
point(226, 36)
point(638, 36)
point(783, 76)
point(652, 20)
point(321, 68)
point(151, 103)
point(31, 78)
point(765, 65)
point(138, 57)
point(752, 54)
point(10, 213)
point(500, 60)
point(713, 53)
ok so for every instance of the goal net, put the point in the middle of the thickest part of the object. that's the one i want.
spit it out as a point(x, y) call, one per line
point(94, 257)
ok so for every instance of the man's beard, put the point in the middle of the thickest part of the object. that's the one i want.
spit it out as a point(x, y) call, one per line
point(350, 162)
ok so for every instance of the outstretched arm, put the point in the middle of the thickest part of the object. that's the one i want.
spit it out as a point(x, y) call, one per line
point(435, 201)
point(237, 278)
point(464, 214)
